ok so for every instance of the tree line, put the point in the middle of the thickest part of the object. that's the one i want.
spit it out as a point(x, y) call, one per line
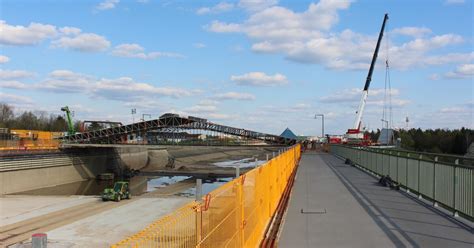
point(37, 120)
point(455, 141)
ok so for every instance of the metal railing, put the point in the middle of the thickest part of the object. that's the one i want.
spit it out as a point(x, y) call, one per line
point(234, 215)
point(443, 179)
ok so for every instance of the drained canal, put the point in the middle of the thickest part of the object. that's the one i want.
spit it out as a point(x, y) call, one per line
point(140, 185)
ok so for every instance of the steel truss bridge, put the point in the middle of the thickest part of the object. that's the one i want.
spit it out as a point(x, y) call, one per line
point(170, 123)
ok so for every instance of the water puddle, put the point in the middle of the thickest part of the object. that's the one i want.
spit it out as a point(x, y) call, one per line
point(242, 163)
point(161, 182)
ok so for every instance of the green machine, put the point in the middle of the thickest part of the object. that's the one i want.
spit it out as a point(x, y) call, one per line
point(120, 191)
point(70, 125)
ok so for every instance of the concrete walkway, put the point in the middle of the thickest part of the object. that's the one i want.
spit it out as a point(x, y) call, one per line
point(336, 205)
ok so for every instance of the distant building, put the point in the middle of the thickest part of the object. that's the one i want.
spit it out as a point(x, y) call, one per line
point(288, 134)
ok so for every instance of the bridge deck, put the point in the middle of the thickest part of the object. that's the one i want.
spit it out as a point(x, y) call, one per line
point(360, 213)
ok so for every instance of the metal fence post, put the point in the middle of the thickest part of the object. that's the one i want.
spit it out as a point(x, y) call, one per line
point(389, 162)
point(398, 175)
point(435, 204)
point(455, 213)
point(406, 174)
point(419, 164)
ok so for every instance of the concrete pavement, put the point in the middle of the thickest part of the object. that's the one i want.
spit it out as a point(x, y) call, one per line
point(336, 205)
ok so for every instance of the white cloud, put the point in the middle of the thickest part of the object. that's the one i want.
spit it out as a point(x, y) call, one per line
point(462, 71)
point(14, 99)
point(202, 109)
point(301, 106)
point(235, 96)
point(455, 109)
point(220, 27)
point(297, 108)
point(454, 117)
point(256, 5)
point(121, 89)
point(12, 84)
point(86, 42)
point(4, 59)
point(376, 97)
point(70, 30)
point(65, 37)
point(448, 58)
point(199, 45)
point(24, 36)
point(14, 74)
point(306, 37)
point(434, 77)
point(65, 81)
point(218, 8)
point(220, 116)
point(137, 51)
point(259, 79)
point(126, 88)
point(107, 4)
point(454, 2)
point(412, 31)
point(205, 109)
point(352, 95)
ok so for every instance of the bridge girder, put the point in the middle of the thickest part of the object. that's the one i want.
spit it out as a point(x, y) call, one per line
point(115, 134)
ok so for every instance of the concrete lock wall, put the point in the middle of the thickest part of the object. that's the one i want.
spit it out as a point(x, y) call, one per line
point(23, 180)
point(24, 173)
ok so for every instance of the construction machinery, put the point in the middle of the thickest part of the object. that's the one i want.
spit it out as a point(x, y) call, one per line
point(70, 125)
point(121, 190)
point(355, 135)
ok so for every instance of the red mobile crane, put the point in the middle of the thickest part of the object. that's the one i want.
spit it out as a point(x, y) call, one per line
point(354, 135)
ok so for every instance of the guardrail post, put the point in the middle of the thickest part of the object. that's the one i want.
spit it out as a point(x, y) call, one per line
point(435, 204)
point(268, 155)
point(398, 174)
point(455, 213)
point(406, 174)
point(237, 171)
point(419, 164)
point(389, 162)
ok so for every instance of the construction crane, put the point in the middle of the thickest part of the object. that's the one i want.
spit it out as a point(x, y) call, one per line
point(70, 125)
point(354, 135)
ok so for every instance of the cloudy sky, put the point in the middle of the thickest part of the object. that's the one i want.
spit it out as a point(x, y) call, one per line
point(259, 64)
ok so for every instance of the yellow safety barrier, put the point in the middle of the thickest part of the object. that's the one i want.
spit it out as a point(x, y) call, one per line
point(234, 215)
point(28, 144)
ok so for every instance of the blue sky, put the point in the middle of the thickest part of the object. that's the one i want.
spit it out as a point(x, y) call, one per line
point(261, 65)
